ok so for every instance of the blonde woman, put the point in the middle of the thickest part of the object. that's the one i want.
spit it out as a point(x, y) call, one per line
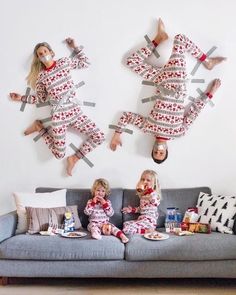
point(148, 191)
point(52, 81)
point(99, 209)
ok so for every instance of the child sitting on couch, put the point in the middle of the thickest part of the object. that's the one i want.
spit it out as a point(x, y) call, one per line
point(99, 210)
point(148, 190)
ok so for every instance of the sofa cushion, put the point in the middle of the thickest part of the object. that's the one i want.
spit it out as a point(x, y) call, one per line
point(80, 197)
point(181, 198)
point(214, 246)
point(36, 247)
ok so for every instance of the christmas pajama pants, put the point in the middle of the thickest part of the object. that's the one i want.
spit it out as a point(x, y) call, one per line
point(96, 227)
point(72, 117)
point(140, 225)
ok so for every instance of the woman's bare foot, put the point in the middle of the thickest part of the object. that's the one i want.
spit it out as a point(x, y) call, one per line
point(71, 161)
point(36, 126)
point(211, 62)
point(214, 86)
point(124, 239)
point(161, 33)
point(115, 141)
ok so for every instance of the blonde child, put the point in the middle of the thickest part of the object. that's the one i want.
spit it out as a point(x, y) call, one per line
point(148, 190)
point(99, 210)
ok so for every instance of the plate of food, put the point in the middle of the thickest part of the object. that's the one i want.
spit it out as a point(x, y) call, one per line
point(74, 234)
point(156, 236)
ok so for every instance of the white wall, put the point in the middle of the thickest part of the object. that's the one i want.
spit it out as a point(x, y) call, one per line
point(108, 29)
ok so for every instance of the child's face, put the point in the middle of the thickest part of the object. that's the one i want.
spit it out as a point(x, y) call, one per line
point(100, 191)
point(147, 180)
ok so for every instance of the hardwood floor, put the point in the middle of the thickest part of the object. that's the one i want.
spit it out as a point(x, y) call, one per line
point(44, 286)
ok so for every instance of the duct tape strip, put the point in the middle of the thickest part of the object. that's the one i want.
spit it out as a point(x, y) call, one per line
point(129, 131)
point(89, 104)
point(162, 89)
point(191, 98)
point(197, 80)
point(149, 41)
point(77, 152)
point(48, 119)
point(41, 133)
point(209, 52)
point(27, 92)
point(148, 99)
point(42, 104)
point(204, 94)
point(81, 83)
point(75, 52)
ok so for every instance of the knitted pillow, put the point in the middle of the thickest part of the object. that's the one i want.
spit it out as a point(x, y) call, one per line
point(40, 218)
point(219, 211)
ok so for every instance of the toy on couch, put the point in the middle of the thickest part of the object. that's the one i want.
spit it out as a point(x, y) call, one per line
point(69, 222)
point(99, 209)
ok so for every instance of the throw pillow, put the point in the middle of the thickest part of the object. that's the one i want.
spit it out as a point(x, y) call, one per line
point(40, 200)
point(219, 211)
point(40, 218)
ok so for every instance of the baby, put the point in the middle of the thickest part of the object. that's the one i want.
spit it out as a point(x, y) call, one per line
point(99, 210)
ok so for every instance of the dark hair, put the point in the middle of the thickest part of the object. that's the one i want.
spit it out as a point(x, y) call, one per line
point(160, 161)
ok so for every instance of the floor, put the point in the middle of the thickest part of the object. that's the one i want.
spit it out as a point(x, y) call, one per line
point(120, 286)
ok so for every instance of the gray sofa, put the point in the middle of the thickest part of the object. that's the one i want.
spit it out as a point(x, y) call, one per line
point(202, 255)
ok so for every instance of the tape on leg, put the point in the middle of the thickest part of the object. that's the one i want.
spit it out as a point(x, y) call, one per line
point(203, 94)
point(149, 41)
point(162, 89)
point(209, 52)
point(151, 98)
point(81, 156)
point(27, 92)
point(129, 131)
point(41, 133)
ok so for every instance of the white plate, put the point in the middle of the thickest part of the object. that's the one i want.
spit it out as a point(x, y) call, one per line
point(74, 234)
point(156, 236)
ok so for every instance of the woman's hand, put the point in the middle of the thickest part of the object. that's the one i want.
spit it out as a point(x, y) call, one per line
point(15, 96)
point(126, 210)
point(71, 43)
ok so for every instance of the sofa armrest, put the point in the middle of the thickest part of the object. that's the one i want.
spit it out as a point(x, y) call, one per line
point(8, 225)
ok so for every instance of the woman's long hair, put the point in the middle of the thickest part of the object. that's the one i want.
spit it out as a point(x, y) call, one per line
point(37, 66)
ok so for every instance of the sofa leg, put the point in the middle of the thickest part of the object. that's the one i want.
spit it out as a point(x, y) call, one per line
point(4, 281)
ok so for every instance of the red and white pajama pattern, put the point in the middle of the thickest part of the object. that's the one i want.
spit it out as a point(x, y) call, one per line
point(168, 117)
point(148, 214)
point(52, 85)
point(99, 215)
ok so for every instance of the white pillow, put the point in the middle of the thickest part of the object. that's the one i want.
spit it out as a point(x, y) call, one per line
point(217, 210)
point(37, 200)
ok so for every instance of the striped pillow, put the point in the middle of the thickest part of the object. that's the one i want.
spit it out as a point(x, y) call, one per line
point(40, 218)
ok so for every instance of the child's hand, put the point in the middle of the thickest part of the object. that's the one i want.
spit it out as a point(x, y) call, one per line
point(101, 200)
point(71, 43)
point(126, 210)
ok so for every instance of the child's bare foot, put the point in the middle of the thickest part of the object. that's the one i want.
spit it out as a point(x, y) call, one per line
point(161, 33)
point(214, 86)
point(71, 161)
point(115, 141)
point(124, 239)
point(211, 62)
point(36, 126)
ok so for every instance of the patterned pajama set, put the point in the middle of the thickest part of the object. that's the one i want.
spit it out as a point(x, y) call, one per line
point(168, 118)
point(148, 214)
point(99, 215)
point(55, 85)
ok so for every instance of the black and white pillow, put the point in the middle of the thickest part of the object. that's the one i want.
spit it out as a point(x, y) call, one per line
point(219, 211)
